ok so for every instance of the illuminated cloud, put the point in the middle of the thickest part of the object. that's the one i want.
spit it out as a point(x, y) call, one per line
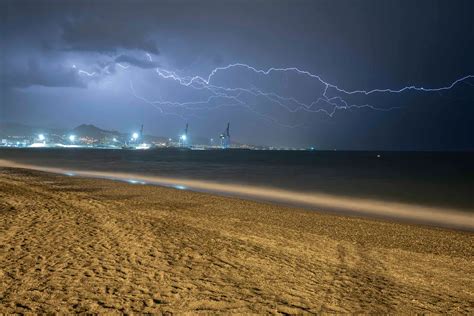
point(35, 74)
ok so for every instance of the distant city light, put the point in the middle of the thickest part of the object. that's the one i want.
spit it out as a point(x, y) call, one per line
point(183, 137)
point(135, 136)
point(41, 137)
point(143, 146)
point(72, 138)
point(115, 139)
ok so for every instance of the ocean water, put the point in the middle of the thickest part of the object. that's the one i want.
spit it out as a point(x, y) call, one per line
point(440, 179)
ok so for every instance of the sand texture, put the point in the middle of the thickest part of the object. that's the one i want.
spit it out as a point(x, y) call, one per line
point(70, 244)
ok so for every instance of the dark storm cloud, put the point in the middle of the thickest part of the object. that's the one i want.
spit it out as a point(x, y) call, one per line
point(141, 63)
point(356, 44)
point(93, 33)
point(34, 74)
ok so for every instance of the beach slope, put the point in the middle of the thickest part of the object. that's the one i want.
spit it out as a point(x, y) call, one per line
point(71, 244)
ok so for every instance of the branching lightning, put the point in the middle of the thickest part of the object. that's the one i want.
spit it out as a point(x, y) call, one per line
point(331, 99)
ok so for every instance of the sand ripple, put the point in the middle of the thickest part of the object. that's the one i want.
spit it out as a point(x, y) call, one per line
point(83, 245)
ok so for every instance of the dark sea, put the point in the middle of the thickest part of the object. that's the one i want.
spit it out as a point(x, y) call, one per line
point(441, 179)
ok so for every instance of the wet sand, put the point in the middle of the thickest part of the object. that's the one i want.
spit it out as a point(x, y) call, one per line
point(71, 244)
point(446, 217)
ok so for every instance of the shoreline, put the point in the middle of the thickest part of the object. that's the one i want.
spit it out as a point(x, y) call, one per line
point(338, 205)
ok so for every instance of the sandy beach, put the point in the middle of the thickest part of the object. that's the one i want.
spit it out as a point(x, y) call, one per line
point(72, 244)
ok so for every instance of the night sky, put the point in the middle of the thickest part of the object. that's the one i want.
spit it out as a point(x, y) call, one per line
point(118, 64)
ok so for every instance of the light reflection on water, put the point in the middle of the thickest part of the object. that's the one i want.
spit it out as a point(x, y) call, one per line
point(132, 181)
point(378, 207)
point(442, 180)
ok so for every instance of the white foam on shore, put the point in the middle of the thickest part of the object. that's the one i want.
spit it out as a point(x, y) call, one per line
point(442, 217)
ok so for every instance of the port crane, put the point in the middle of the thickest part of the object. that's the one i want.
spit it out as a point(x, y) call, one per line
point(225, 137)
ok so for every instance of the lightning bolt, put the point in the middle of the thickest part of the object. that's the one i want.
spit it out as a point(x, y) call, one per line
point(337, 102)
point(83, 72)
point(332, 98)
point(122, 66)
